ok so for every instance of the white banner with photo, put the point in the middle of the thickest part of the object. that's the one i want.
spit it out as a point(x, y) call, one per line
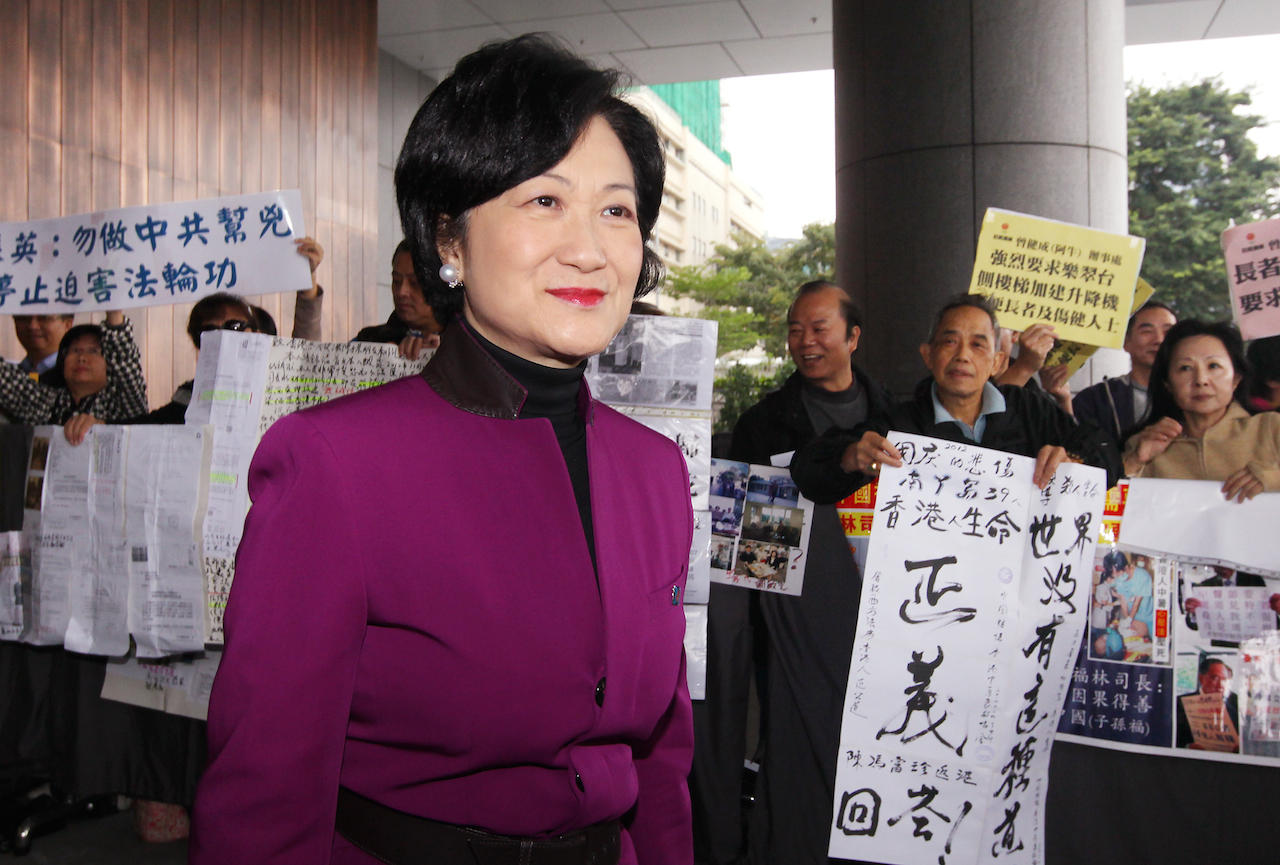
point(153, 254)
point(972, 605)
point(1182, 656)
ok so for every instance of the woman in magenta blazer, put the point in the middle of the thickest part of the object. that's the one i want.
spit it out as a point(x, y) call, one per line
point(455, 633)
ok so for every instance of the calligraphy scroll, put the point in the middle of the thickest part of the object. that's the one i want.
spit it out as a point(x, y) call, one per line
point(972, 607)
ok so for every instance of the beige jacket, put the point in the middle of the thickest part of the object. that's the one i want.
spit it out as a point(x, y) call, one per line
point(1236, 441)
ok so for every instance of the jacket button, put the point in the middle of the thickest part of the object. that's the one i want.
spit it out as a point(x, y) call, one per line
point(600, 691)
point(577, 779)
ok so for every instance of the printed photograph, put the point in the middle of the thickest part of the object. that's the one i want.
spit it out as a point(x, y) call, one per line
point(726, 516)
point(1206, 706)
point(761, 561)
point(772, 524)
point(769, 486)
point(729, 478)
point(625, 355)
point(1221, 606)
point(1121, 611)
point(722, 554)
point(39, 453)
point(35, 492)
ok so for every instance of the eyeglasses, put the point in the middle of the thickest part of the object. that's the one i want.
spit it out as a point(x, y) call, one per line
point(230, 324)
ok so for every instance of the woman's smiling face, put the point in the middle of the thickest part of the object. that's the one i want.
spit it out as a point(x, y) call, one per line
point(550, 266)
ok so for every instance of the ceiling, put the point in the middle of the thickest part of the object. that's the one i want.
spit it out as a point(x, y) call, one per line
point(664, 41)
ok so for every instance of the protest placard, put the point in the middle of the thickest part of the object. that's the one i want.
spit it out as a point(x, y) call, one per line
point(972, 606)
point(153, 254)
point(760, 527)
point(1079, 279)
point(1075, 354)
point(1182, 656)
point(1252, 253)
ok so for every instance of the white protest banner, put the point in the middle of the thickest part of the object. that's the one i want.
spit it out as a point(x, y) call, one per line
point(972, 606)
point(111, 530)
point(1192, 520)
point(1185, 628)
point(153, 254)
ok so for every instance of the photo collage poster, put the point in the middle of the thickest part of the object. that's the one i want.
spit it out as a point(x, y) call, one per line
point(759, 527)
point(1182, 653)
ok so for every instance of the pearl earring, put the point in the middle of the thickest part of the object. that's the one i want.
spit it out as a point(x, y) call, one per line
point(449, 275)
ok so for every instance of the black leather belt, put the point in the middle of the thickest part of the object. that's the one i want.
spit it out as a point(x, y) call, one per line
point(398, 838)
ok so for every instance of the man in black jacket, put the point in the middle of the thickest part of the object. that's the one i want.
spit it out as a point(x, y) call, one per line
point(806, 641)
point(959, 403)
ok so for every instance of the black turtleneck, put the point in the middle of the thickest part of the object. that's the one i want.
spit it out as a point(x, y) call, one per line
point(553, 394)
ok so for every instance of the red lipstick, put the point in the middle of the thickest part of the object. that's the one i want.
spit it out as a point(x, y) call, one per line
point(578, 296)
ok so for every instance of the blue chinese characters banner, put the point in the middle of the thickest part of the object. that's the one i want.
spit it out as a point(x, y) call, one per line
point(153, 255)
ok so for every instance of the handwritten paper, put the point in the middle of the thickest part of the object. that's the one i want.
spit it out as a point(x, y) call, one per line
point(972, 608)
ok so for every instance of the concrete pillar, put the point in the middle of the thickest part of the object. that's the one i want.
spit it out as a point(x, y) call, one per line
point(945, 109)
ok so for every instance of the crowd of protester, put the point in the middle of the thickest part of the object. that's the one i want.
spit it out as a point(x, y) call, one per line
point(1194, 404)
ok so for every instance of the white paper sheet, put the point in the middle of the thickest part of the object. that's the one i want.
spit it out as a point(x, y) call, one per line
point(973, 600)
point(168, 469)
point(1191, 520)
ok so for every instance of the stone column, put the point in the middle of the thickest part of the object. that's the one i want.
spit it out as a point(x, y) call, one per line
point(946, 109)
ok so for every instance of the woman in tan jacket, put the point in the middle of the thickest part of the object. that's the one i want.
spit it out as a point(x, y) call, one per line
point(1199, 428)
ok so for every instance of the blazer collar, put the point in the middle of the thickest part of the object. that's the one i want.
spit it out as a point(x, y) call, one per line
point(467, 377)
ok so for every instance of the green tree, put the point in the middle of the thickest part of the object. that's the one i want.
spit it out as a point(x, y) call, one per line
point(1192, 168)
point(747, 288)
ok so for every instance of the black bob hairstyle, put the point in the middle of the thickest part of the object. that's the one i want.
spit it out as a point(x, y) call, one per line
point(1162, 402)
point(71, 336)
point(509, 112)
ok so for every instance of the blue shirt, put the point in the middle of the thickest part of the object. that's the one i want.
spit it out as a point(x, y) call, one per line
point(992, 403)
point(35, 369)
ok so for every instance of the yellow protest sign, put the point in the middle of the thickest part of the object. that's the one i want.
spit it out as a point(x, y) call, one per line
point(1078, 279)
point(1074, 354)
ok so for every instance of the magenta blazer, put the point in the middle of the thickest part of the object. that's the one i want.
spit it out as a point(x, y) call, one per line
point(415, 616)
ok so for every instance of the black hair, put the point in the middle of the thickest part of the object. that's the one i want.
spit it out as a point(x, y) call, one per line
point(210, 305)
point(509, 112)
point(848, 309)
point(1264, 361)
point(71, 336)
point(1112, 562)
point(960, 301)
point(1150, 304)
point(1207, 661)
point(262, 321)
point(403, 246)
point(1162, 402)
